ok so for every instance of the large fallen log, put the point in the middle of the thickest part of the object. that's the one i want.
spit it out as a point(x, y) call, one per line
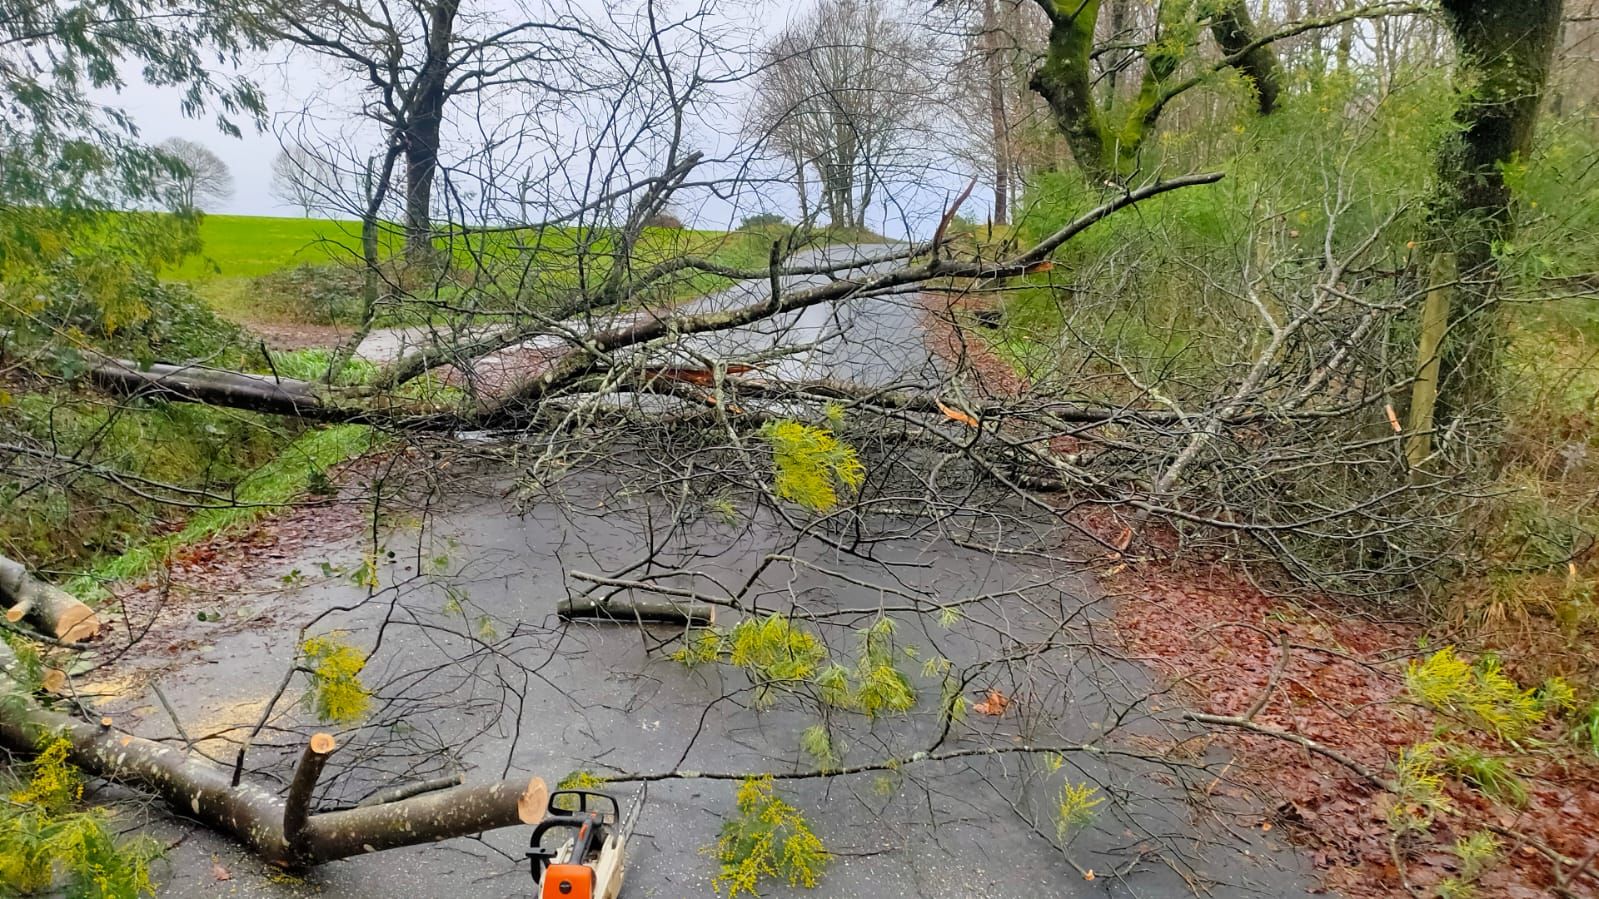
point(267, 394)
point(54, 611)
point(190, 383)
point(283, 831)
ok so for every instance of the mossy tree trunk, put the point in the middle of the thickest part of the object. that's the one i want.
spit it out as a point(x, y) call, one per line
point(1106, 139)
point(1506, 50)
point(1236, 34)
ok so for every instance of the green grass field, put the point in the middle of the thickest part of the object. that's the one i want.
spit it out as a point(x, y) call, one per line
point(246, 246)
point(237, 250)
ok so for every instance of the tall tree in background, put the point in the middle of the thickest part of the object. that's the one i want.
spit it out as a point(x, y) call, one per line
point(994, 69)
point(298, 176)
point(200, 179)
point(415, 60)
point(839, 93)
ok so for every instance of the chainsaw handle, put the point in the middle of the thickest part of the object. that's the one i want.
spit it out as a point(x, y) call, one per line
point(590, 831)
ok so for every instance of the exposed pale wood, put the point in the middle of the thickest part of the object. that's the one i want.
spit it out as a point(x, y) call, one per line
point(54, 611)
point(1424, 392)
point(608, 869)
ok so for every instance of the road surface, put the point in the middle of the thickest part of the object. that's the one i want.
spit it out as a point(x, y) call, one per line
point(476, 666)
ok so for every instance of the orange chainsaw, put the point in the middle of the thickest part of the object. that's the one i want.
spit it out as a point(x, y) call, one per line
point(588, 863)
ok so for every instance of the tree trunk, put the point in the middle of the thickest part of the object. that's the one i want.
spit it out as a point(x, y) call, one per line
point(54, 611)
point(1065, 82)
point(993, 50)
point(187, 383)
point(282, 831)
point(1234, 30)
point(802, 190)
point(1116, 61)
point(273, 396)
point(1506, 50)
point(420, 136)
point(1346, 45)
point(1106, 142)
point(1424, 393)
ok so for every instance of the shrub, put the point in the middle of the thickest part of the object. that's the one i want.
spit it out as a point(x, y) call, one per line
point(317, 294)
point(49, 844)
point(766, 837)
point(664, 220)
point(763, 221)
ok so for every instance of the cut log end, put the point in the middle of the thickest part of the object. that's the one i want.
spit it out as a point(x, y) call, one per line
point(534, 800)
point(55, 680)
point(323, 744)
point(77, 623)
point(16, 612)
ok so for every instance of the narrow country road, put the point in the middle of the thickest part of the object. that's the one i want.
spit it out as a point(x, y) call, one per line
point(479, 672)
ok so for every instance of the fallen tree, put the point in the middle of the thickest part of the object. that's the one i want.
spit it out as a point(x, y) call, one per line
point(54, 611)
point(598, 353)
point(284, 831)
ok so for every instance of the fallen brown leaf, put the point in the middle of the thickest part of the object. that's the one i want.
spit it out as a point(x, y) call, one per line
point(993, 704)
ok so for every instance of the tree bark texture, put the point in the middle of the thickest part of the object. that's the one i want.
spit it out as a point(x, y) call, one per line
point(282, 831)
point(1065, 82)
point(665, 611)
point(1106, 139)
point(1234, 31)
point(257, 393)
point(993, 60)
point(1506, 50)
point(421, 132)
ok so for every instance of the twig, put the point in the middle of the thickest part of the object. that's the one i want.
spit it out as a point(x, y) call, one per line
point(1365, 773)
point(266, 713)
point(173, 714)
point(1271, 683)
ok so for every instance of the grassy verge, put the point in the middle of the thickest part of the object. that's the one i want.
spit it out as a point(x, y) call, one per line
point(300, 469)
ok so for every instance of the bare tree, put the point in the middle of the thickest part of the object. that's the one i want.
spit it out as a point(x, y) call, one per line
point(198, 177)
point(298, 176)
point(840, 92)
point(415, 61)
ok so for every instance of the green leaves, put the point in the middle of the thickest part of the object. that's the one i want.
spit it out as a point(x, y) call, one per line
point(47, 843)
point(1482, 693)
point(810, 464)
point(781, 657)
point(766, 838)
point(337, 694)
point(72, 165)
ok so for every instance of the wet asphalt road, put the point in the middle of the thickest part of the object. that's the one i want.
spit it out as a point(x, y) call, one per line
point(554, 698)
